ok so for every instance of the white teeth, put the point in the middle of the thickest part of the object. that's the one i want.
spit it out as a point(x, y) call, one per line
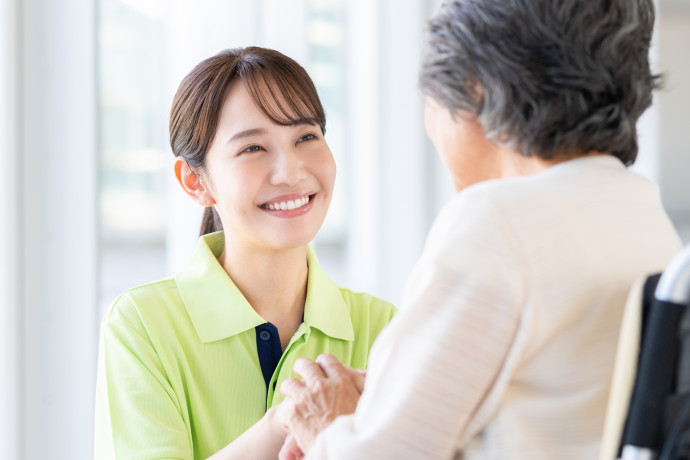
point(291, 204)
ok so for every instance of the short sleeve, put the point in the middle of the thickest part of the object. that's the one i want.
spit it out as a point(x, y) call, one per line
point(138, 415)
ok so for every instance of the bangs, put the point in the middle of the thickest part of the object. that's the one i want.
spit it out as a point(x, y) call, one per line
point(282, 91)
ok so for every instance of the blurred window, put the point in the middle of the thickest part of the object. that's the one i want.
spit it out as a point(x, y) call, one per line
point(132, 150)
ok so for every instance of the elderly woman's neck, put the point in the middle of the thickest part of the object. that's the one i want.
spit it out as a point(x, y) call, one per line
point(513, 164)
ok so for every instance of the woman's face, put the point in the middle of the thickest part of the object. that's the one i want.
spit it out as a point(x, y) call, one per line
point(271, 184)
point(462, 144)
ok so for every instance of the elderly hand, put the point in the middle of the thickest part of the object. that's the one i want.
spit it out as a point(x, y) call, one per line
point(328, 389)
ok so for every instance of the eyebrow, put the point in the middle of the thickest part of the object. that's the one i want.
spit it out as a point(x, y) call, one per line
point(247, 133)
point(259, 131)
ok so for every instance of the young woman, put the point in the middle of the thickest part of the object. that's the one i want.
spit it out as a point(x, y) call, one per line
point(189, 365)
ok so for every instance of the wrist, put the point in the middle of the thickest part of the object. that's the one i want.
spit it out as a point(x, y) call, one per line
point(275, 425)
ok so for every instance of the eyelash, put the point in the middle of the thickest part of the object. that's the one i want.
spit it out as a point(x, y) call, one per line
point(257, 148)
point(311, 136)
point(252, 148)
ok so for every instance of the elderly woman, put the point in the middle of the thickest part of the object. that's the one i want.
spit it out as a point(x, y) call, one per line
point(505, 345)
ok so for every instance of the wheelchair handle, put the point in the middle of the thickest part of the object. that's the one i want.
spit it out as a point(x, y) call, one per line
point(637, 453)
point(674, 285)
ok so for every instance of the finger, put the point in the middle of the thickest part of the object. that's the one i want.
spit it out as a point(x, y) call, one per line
point(286, 453)
point(334, 368)
point(291, 388)
point(308, 370)
point(283, 454)
point(290, 450)
point(330, 365)
point(358, 376)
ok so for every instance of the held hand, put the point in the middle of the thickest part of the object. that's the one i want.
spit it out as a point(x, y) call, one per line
point(328, 389)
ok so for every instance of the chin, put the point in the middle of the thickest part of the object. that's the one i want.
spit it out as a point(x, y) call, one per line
point(293, 241)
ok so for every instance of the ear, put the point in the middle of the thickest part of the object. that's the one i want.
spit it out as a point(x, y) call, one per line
point(192, 184)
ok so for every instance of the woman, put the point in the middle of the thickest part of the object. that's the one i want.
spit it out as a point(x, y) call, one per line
point(189, 364)
point(505, 345)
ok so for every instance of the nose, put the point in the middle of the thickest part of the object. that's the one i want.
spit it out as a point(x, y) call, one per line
point(288, 168)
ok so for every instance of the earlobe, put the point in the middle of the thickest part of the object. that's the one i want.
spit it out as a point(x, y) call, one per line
point(192, 183)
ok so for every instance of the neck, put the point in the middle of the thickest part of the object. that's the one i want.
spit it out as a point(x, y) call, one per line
point(274, 282)
point(512, 164)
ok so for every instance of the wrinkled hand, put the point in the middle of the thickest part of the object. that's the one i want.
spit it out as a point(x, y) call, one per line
point(328, 389)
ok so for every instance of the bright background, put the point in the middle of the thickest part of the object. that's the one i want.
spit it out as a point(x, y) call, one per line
point(89, 206)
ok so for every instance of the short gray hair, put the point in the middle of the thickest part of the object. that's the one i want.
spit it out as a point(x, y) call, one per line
point(545, 76)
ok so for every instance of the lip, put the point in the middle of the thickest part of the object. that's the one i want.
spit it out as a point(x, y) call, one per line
point(288, 213)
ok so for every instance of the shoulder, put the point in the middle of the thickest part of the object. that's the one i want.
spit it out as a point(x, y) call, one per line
point(475, 222)
point(366, 308)
point(149, 321)
point(485, 201)
point(492, 200)
point(138, 304)
point(335, 303)
point(473, 248)
point(364, 303)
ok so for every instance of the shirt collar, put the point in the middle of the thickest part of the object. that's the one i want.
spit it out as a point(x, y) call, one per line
point(325, 308)
point(218, 309)
point(215, 305)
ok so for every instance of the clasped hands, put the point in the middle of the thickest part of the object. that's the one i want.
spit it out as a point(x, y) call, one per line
point(327, 389)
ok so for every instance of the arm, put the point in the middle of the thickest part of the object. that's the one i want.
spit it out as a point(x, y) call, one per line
point(262, 441)
point(138, 415)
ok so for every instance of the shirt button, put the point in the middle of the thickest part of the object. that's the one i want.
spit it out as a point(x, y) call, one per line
point(265, 335)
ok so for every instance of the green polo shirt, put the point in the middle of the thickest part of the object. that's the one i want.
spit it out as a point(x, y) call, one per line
point(179, 374)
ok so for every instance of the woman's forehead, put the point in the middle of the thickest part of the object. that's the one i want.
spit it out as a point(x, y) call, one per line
point(241, 111)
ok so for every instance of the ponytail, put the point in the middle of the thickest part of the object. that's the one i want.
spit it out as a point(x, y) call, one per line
point(210, 222)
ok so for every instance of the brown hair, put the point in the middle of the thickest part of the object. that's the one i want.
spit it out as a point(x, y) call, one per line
point(279, 86)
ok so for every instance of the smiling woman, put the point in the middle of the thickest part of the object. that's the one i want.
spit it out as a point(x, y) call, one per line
point(189, 365)
point(270, 104)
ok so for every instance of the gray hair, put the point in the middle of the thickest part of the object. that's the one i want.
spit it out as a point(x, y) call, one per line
point(545, 76)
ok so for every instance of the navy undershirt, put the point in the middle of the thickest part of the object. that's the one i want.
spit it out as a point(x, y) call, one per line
point(269, 349)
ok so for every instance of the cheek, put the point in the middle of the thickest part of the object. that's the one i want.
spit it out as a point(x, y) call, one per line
point(233, 183)
point(332, 170)
point(326, 170)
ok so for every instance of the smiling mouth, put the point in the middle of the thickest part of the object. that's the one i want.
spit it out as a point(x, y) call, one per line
point(288, 205)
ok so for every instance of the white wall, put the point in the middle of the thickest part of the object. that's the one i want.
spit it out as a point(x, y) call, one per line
point(48, 226)
point(394, 172)
point(674, 112)
point(11, 378)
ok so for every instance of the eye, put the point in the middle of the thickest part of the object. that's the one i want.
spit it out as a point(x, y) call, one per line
point(306, 137)
point(252, 148)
